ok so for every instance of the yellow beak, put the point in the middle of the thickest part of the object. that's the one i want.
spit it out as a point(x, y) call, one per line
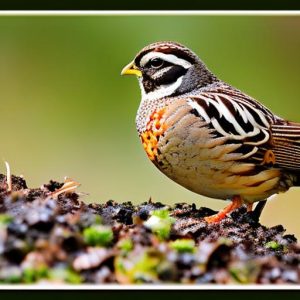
point(131, 69)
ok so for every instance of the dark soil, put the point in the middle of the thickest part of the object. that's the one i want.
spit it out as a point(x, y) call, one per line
point(50, 236)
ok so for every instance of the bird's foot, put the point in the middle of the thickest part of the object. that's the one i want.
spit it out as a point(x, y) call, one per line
point(236, 202)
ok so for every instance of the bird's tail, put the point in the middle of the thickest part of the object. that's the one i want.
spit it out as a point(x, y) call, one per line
point(286, 146)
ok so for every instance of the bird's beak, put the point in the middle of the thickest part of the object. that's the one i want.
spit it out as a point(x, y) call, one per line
point(131, 69)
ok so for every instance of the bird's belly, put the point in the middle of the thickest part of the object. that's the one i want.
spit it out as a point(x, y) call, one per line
point(189, 152)
point(203, 171)
point(197, 169)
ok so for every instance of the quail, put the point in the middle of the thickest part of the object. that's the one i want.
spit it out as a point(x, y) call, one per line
point(208, 136)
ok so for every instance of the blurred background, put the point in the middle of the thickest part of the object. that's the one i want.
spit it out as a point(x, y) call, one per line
point(66, 111)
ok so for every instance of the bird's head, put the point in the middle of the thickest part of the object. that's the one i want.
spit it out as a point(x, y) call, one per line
point(168, 69)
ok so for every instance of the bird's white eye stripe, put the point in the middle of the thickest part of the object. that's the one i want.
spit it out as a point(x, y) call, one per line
point(167, 57)
point(161, 72)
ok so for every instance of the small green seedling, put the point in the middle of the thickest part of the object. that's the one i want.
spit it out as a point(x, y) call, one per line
point(31, 275)
point(5, 219)
point(125, 245)
point(65, 275)
point(98, 235)
point(160, 223)
point(273, 245)
point(183, 245)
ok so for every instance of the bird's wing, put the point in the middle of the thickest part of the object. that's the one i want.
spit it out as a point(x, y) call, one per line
point(286, 144)
point(238, 117)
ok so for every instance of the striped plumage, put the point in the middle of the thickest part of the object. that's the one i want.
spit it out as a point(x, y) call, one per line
point(208, 136)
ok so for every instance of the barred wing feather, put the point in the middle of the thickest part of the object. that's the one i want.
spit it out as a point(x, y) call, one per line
point(236, 118)
point(242, 119)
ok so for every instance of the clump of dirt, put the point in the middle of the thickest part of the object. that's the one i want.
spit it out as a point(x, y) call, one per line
point(48, 234)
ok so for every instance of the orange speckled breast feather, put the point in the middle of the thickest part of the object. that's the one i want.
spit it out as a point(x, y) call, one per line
point(154, 129)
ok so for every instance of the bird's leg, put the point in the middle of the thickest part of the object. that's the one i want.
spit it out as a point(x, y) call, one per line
point(253, 215)
point(259, 208)
point(236, 202)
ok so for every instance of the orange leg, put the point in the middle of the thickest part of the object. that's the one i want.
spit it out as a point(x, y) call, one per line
point(236, 202)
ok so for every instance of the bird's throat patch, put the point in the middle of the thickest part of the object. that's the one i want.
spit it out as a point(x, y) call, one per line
point(154, 130)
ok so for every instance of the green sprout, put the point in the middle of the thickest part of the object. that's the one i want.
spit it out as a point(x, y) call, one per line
point(34, 274)
point(245, 272)
point(11, 275)
point(238, 275)
point(183, 245)
point(66, 275)
point(160, 223)
point(125, 245)
point(98, 235)
point(273, 245)
point(138, 268)
point(5, 219)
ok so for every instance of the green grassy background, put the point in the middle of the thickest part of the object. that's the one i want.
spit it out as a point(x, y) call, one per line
point(66, 111)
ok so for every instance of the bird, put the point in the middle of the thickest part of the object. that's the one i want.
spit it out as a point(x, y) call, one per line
point(209, 136)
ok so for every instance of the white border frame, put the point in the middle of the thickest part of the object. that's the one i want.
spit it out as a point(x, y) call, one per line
point(54, 286)
point(175, 286)
point(150, 13)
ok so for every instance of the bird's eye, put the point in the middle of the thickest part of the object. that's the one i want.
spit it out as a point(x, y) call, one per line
point(156, 63)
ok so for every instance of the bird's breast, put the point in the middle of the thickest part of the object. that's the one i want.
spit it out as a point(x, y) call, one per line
point(173, 132)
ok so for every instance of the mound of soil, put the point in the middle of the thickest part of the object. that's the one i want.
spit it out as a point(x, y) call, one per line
point(49, 235)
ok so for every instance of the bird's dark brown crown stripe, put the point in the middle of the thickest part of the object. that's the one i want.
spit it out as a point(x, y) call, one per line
point(168, 48)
